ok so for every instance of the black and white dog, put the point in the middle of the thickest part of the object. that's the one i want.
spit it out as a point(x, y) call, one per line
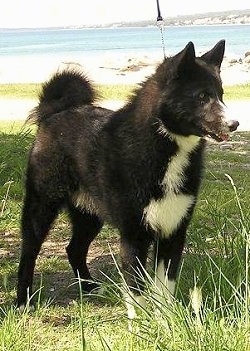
point(138, 168)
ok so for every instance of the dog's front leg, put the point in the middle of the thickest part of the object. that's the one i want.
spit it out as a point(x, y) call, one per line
point(168, 252)
point(134, 251)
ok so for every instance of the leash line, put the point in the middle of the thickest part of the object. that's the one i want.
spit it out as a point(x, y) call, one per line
point(160, 25)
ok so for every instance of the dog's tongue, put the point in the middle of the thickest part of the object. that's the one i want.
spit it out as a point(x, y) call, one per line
point(224, 136)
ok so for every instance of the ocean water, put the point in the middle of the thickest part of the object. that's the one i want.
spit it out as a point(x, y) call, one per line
point(92, 42)
point(32, 55)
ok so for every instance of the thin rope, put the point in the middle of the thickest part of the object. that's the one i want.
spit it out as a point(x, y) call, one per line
point(160, 25)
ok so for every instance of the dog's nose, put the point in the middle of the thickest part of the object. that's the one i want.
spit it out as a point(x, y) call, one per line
point(233, 125)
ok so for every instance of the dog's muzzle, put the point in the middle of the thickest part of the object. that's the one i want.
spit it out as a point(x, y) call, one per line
point(233, 125)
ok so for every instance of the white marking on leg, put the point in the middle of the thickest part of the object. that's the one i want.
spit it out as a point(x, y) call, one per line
point(132, 302)
point(165, 288)
point(160, 277)
point(26, 308)
point(171, 289)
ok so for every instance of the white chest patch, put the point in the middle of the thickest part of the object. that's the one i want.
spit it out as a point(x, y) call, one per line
point(166, 213)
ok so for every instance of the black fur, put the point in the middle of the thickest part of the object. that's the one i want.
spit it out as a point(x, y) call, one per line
point(116, 162)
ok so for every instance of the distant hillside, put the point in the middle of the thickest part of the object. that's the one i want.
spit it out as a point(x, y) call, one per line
point(210, 18)
point(227, 17)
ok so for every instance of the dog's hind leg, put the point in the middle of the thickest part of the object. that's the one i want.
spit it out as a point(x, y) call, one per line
point(37, 217)
point(85, 227)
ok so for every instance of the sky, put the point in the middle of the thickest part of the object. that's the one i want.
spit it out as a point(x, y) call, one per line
point(53, 13)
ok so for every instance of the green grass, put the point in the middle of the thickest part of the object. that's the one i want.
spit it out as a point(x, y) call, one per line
point(115, 92)
point(215, 267)
point(237, 92)
point(105, 91)
point(111, 91)
point(19, 90)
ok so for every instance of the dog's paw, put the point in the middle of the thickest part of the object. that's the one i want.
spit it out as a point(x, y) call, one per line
point(92, 288)
point(25, 308)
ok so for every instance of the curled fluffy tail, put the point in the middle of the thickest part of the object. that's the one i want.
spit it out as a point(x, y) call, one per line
point(65, 90)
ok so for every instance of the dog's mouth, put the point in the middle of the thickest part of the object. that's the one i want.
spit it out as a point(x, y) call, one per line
point(219, 137)
point(223, 133)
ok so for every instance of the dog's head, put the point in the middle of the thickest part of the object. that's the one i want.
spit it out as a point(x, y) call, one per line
point(191, 101)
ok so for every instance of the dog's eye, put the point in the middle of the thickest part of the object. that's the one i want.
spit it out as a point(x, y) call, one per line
point(203, 97)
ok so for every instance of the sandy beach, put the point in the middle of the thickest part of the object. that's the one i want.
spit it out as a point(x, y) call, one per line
point(110, 70)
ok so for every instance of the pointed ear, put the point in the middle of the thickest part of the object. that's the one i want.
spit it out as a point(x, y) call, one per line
point(185, 59)
point(215, 55)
